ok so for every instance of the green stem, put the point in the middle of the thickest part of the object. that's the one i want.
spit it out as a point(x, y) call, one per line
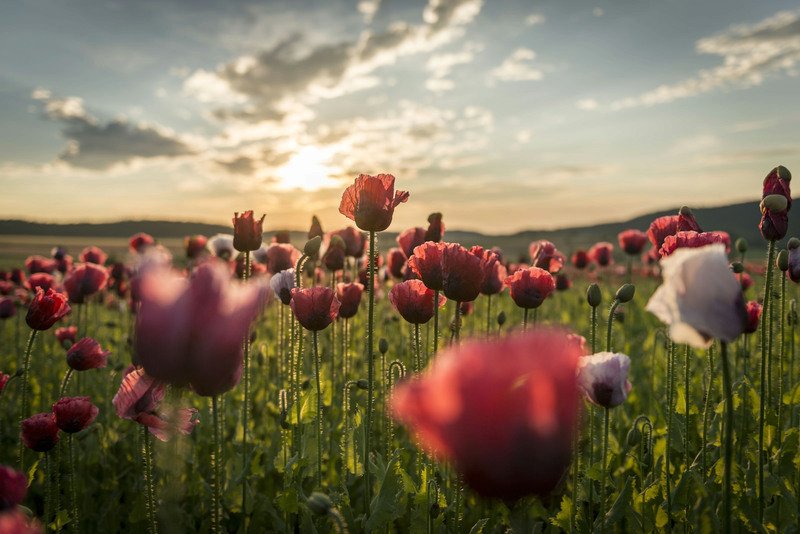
point(728, 452)
point(524, 319)
point(47, 491)
point(686, 355)
point(604, 486)
point(417, 347)
point(488, 314)
point(435, 321)
point(765, 356)
point(576, 460)
point(610, 324)
point(246, 405)
point(319, 408)
point(458, 323)
point(26, 365)
point(707, 404)
point(670, 409)
point(215, 471)
point(370, 370)
point(75, 522)
point(65, 383)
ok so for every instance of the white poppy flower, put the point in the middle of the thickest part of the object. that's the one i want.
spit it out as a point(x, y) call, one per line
point(700, 298)
point(603, 377)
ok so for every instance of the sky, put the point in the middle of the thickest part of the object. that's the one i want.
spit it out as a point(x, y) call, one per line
point(504, 115)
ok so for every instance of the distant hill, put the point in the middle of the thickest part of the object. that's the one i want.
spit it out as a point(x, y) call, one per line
point(739, 220)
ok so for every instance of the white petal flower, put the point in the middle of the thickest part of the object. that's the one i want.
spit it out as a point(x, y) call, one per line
point(221, 246)
point(700, 298)
point(603, 377)
point(282, 284)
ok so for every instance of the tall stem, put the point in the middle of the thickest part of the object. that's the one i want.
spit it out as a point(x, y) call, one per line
point(370, 371)
point(727, 390)
point(686, 356)
point(215, 471)
point(246, 406)
point(524, 319)
point(670, 409)
point(610, 324)
point(149, 486)
point(604, 487)
point(488, 314)
point(765, 356)
point(435, 321)
point(458, 323)
point(75, 522)
point(26, 366)
point(417, 347)
point(576, 468)
point(319, 408)
point(707, 404)
point(589, 481)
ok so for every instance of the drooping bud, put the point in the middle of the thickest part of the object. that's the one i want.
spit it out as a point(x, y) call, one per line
point(311, 247)
point(782, 262)
point(362, 383)
point(625, 293)
point(593, 295)
point(634, 436)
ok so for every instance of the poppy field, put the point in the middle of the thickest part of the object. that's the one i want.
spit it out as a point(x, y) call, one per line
point(352, 383)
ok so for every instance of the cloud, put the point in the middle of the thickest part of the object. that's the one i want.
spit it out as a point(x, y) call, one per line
point(294, 73)
point(598, 12)
point(523, 137)
point(96, 145)
point(368, 9)
point(534, 19)
point(441, 65)
point(587, 104)
point(695, 144)
point(750, 54)
point(517, 67)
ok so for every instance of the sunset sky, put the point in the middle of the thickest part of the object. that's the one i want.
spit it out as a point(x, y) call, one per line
point(504, 115)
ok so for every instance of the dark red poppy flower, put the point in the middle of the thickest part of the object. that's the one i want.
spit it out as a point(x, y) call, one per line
point(692, 239)
point(371, 201)
point(349, 295)
point(315, 307)
point(46, 309)
point(85, 280)
point(493, 269)
point(545, 255)
point(465, 308)
point(39, 264)
point(414, 301)
point(247, 231)
point(6, 287)
point(191, 332)
point(17, 276)
point(4, 378)
point(580, 259)
point(7, 308)
point(138, 243)
point(668, 225)
point(563, 282)
point(13, 487)
point(410, 239)
point(40, 432)
point(746, 281)
point(354, 241)
point(43, 280)
point(334, 255)
point(139, 399)
point(530, 287)
point(793, 246)
point(94, 255)
point(632, 241)
point(63, 265)
point(462, 273)
point(87, 354)
point(316, 228)
point(281, 256)
point(66, 335)
point(601, 253)
point(195, 246)
point(505, 423)
point(395, 262)
point(776, 201)
point(426, 262)
point(753, 316)
point(435, 231)
point(281, 237)
point(73, 414)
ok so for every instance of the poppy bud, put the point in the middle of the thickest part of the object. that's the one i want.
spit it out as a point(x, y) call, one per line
point(782, 262)
point(247, 232)
point(319, 503)
point(737, 267)
point(316, 228)
point(741, 245)
point(775, 203)
point(501, 318)
point(634, 436)
point(647, 458)
point(593, 295)
point(625, 293)
point(383, 346)
point(783, 173)
point(362, 383)
point(311, 248)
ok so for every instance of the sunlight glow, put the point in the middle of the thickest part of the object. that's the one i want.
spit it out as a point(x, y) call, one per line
point(308, 170)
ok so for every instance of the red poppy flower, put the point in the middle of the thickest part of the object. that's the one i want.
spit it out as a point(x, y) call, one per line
point(775, 220)
point(247, 232)
point(139, 242)
point(46, 309)
point(316, 228)
point(668, 225)
point(4, 378)
point(85, 280)
point(580, 259)
point(18, 277)
point(17, 522)
point(462, 273)
point(6, 287)
point(354, 241)
point(63, 265)
point(410, 239)
point(753, 316)
point(281, 256)
point(87, 354)
point(693, 240)
point(545, 256)
point(333, 258)
point(39, 264)
point(371, 201)
point(94, 255)
point(506, 423)
point(426, 262)
point(43, 280)
point(746, 281)
point(281, 237)
point(563, 282)
point(66, 335)
point(349, 296)
point(195, 246)
point(632, 241)
point(414, 301)
point(40, 432)
point(73, 414)
point(494, 271)
point(7, 308)
point(315, 307)
point(530, 287)
point(13, 487)
point(601, 253)
point(139, 399)
point(395, 262)
point(435, 231)
point(191, 332)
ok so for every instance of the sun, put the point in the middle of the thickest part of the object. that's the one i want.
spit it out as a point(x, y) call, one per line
point(308, 169)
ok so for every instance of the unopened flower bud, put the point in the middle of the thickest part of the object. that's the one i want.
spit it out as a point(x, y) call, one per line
point(741, 245)
point(793, 243)
point(685, 211)
point(362, 383)
point(501, 318)
point(783, 173)
point(311, 247)
point(782, 262)
point(647, 459)
point(737, 267)
point(774, 203)
point(593, 295)
point(625, 293)
point(319, 503)
point(383, 346)
point(634, 437)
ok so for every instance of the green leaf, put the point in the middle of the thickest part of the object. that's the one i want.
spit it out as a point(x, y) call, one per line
point(477, 528)
point(389, 503)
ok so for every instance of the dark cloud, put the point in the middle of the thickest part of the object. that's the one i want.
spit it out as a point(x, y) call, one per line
point(248, 164)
